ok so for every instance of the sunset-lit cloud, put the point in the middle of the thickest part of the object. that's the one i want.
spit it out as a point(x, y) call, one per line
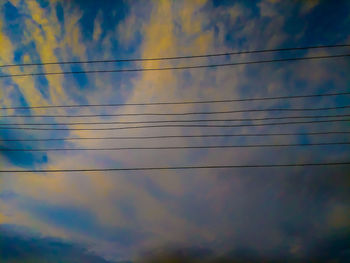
point(121, 215)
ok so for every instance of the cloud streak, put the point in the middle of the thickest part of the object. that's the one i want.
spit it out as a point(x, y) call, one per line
point(120, 216)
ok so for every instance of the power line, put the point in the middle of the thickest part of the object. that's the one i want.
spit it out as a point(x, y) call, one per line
point(177, 167)
point(176, 121)
point(175, 147)
point(174, 68)
point(174, 58)
point(171, 125)
point(178, 136)
point(172, 114)
point(180, 102)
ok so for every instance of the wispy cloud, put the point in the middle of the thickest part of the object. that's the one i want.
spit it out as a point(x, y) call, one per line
point(121, 215)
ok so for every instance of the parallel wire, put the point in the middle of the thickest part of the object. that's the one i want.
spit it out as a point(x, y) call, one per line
point(175, 147)
point(177, 167)
point(173, 125)
point(180, 102)
point(179, 136)
point(175, 121)
point(175, 58)
point(173, 68)
point(172, 114)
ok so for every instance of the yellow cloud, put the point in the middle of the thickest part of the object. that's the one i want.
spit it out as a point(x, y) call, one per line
point(6, 51)
point(14, 2)
point(161, 38)
point(26, 85)
point(127, 29)
point(6, 57)
point(72, 39)
point(44, 29)
point(97, 27)
point(189, 23)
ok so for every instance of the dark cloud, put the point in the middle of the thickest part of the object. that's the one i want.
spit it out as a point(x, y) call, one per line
point(332, 249)
point(17, 246)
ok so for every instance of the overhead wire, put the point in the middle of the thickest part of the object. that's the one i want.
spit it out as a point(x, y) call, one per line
point(175, 121)
point(183, 102)
point(173, 114)
point(175, 57)
point(188, 113)
point(173, 147)
point(177, 167)
point(174, 125)
point(166, 121)
point(178, 136)
point(174, 68)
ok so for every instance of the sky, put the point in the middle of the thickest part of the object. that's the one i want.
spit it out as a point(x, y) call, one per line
point(212, 215)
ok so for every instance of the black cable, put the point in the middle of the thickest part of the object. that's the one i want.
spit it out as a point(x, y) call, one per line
point(175, 147)
point(173, 68)
point(180, 102)
point(175, 121)
point(171, 114)
point(178, 136)
point(175, 58)
point(170, 125)
point(176, 167)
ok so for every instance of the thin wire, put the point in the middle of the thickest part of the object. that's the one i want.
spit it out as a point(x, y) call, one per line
point(180, 102)
point(171, 114)
point(173, 68)
point(176, 121)
point(174, 147)
point(175, 58)
point(178, 136)
point(170, 125)
point(176, 167)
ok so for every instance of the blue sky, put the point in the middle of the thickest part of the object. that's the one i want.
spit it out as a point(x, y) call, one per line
point(277, 213)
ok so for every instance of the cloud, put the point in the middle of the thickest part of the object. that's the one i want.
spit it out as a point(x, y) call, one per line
point(19, 246)
point(97, 28)
point(123, 214)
